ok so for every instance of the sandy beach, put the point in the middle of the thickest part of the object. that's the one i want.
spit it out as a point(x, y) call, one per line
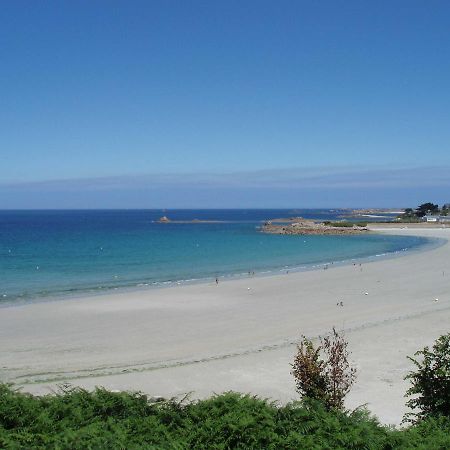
point(239, 335)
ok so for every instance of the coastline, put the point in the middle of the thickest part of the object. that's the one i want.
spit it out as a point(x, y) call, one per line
point(240, 335)
point(269, 271)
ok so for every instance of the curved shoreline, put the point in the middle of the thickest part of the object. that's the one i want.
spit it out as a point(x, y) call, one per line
point(269, 271)
point(239, 335)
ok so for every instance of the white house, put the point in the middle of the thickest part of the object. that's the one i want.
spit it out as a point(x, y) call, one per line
point(430, 218)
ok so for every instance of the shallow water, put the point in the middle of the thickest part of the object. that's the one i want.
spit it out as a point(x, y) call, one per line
point(53, 253)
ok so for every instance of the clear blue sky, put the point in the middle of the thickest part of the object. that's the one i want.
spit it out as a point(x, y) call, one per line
point(91, 90)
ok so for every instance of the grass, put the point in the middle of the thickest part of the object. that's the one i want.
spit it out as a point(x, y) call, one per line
point(345, 224)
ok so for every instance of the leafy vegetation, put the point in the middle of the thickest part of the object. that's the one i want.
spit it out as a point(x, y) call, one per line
point(77, 419)
point(414, 215)
point(431, 381)
point(409, 216)
point(345, 224)
point(429, 434)
point(427, 208)
point(326, 380)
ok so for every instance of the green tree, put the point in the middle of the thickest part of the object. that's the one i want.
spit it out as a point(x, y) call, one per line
point(427, 208)
point(431, 381)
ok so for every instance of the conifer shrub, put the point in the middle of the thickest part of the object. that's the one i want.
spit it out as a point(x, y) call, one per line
point(76, 419)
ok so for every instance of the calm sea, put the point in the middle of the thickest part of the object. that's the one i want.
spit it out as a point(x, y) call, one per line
point(56, 253)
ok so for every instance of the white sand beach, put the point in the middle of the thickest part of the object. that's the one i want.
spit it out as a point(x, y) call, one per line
point(239, 335)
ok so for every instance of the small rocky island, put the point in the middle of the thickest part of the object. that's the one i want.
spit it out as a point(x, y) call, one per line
point(165, 219)
point(305, 226)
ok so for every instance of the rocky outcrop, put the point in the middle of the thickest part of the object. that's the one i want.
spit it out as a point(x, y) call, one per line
point(163, 219)
point(303, 227)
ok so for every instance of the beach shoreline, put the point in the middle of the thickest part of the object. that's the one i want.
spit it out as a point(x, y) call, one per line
point(145, 286)
point(239, 335)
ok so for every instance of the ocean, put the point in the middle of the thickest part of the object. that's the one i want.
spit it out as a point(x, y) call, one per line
point(52, 254)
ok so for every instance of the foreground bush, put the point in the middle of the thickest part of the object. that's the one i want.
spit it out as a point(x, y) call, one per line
point(77, 419)
point(324, 373)
point(430, 381)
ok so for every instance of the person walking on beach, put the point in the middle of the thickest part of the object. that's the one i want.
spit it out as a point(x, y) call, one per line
point(217, 281)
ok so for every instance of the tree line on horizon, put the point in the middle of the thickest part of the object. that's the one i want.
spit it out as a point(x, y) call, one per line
point(425, 209)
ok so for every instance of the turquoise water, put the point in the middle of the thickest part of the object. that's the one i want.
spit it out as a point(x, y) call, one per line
point(54, 253)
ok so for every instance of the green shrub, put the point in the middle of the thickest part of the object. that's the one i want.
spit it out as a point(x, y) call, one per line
point(429, 434)
point(76, 419)
point(345, 224)
point(101, 420)
point(431, 381)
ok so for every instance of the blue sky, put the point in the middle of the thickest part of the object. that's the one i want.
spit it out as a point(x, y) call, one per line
point(188, 103)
